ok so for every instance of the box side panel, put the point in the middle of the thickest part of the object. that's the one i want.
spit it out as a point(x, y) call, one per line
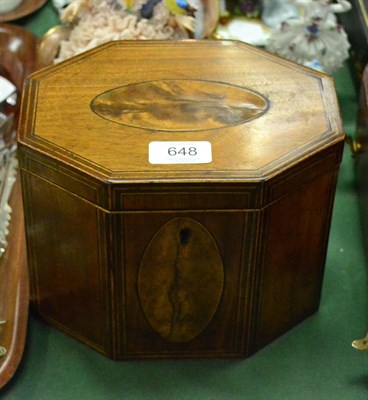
point(68, 273)
point(296, 236)
point(187, 283)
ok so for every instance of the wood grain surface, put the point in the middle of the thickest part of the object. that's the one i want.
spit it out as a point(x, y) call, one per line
point(302, 115)
point(180, 280)
point(179, 105)
point(167, 261)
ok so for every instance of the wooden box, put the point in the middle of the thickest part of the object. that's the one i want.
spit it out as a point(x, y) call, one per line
point(178, 196)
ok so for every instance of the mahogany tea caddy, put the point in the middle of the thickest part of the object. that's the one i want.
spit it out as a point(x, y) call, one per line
point(142, 243)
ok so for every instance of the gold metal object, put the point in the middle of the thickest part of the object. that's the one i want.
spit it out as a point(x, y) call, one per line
point(354, 145)
point(361, 344)
point(50, 44)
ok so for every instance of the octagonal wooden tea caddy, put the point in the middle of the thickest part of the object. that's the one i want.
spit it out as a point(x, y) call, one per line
point(178, 196)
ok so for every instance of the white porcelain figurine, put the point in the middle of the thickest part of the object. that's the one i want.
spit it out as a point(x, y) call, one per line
point(274, 12)
point(314, 38)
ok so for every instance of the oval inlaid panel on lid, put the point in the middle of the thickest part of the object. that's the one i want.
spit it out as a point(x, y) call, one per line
point(180, 105)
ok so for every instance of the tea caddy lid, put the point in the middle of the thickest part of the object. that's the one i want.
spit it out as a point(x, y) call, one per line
point(143, 111)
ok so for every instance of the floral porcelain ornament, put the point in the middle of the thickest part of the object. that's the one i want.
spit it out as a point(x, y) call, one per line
point(89, 23)
point(315, 38)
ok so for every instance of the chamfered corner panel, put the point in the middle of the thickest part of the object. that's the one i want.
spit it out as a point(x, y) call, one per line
point(64, 240)
point(296, 236)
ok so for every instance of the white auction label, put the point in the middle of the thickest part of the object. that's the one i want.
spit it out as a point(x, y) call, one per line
point(199, 152)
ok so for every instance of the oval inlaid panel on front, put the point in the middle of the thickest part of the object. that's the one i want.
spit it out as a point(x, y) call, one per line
point(179, 105)
point(180, 280)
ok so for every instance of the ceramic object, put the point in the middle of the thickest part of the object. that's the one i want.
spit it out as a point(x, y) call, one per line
point(25, 8)
point(16, 61)
point(315, 36)
point(9, 5)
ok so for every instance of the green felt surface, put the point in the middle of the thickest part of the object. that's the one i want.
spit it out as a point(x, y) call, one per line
point(313, 361)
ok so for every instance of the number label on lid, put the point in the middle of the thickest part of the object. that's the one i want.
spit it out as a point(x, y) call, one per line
point(197, 152)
